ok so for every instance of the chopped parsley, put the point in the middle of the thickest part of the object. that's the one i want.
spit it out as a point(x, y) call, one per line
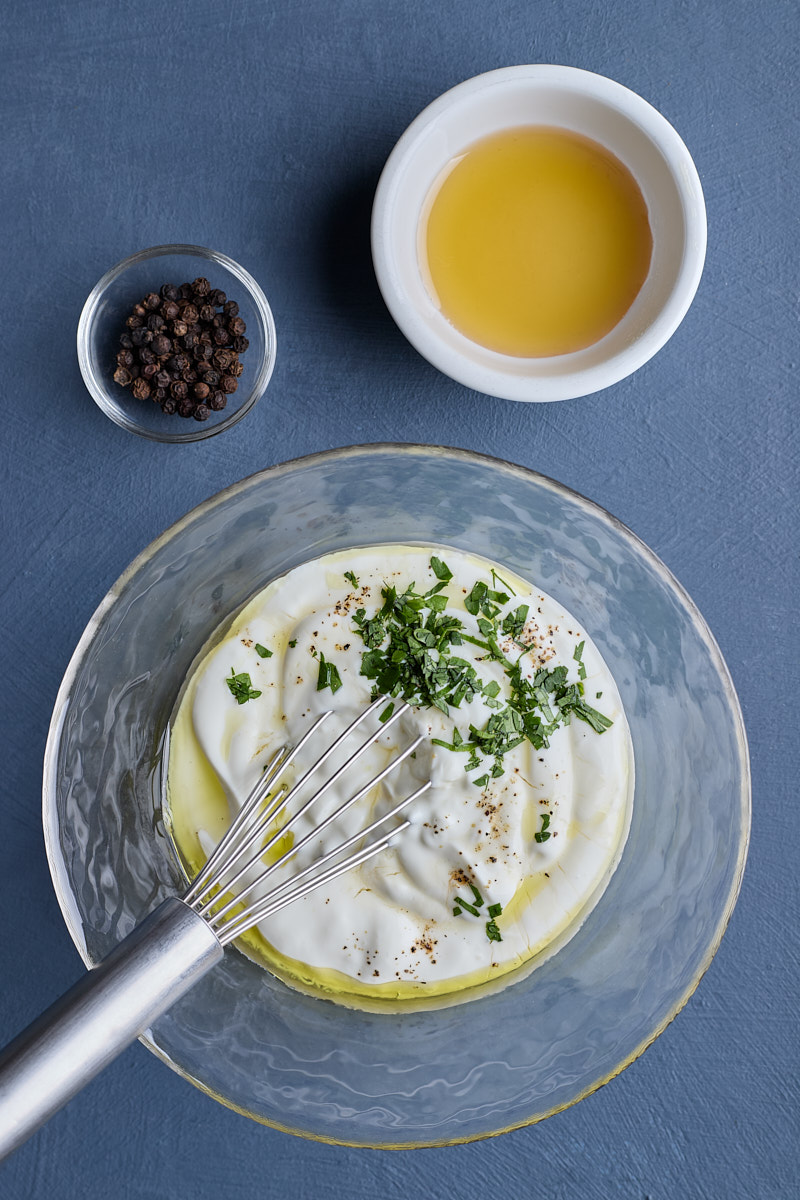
point(494, 910)
point(410, 651)
point(262, 651)
point(328, 676)
point(542, 835)
point(292, 643)
point(241, 687)
point(387, 712)
point(350, 577)
point(441, 570)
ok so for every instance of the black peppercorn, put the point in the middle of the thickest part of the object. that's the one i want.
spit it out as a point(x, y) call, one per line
point(141, 389)
point(180, 347)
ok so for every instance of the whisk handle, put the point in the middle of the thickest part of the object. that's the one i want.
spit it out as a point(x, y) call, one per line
point(102, 1014)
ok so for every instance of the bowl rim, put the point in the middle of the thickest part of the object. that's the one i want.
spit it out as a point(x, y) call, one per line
point(563, 384)
point(100, 393)
point(410, 449)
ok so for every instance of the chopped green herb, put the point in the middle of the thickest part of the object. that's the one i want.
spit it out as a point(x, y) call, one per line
point(328, 676)
point(598, 695)
point(496, 579)
point(469, 907)
point(477, 895)
point(543, 835)
point(494, 910)
point(292, 643)
point(578, 651)
point(387, 712)
point(350, 577)
point(408, 652)
point(262, 651)
point(492, 932)
point(241, 687)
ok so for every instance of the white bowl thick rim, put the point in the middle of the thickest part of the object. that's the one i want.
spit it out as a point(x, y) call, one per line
point(450, 123)
point(94, 381)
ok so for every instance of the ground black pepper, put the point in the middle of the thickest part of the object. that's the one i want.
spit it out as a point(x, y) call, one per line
point(180, 348)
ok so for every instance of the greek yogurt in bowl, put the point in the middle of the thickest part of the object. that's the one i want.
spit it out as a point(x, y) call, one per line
point(526, 746)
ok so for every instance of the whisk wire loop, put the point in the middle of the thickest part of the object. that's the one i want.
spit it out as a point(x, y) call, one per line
point(247, 843)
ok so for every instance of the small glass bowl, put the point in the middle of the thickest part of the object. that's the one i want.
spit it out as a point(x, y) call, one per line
point(110, 303)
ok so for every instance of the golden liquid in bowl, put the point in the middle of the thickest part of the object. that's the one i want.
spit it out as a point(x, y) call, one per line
point(535, 241)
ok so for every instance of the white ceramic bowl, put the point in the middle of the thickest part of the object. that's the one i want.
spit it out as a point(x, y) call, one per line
point(587, 104)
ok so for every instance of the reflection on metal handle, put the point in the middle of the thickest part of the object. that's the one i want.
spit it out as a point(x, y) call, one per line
point(102, 1014)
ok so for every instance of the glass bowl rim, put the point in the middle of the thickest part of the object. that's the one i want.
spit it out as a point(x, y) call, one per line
point(100, 393)
point(66, 901)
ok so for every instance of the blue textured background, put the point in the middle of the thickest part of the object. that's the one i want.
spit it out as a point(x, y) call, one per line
point(260, 128)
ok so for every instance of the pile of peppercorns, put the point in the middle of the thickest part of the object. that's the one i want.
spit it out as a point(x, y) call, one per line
point(181, 348)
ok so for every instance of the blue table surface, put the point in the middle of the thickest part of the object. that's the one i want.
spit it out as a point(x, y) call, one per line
point(260, 128)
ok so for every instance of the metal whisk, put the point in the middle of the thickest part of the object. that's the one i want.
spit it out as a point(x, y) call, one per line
point(182, 939)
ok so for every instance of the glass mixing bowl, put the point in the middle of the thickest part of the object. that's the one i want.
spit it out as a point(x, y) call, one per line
point(424, 1077)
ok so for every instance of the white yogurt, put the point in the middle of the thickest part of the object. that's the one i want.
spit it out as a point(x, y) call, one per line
point(387, 930)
